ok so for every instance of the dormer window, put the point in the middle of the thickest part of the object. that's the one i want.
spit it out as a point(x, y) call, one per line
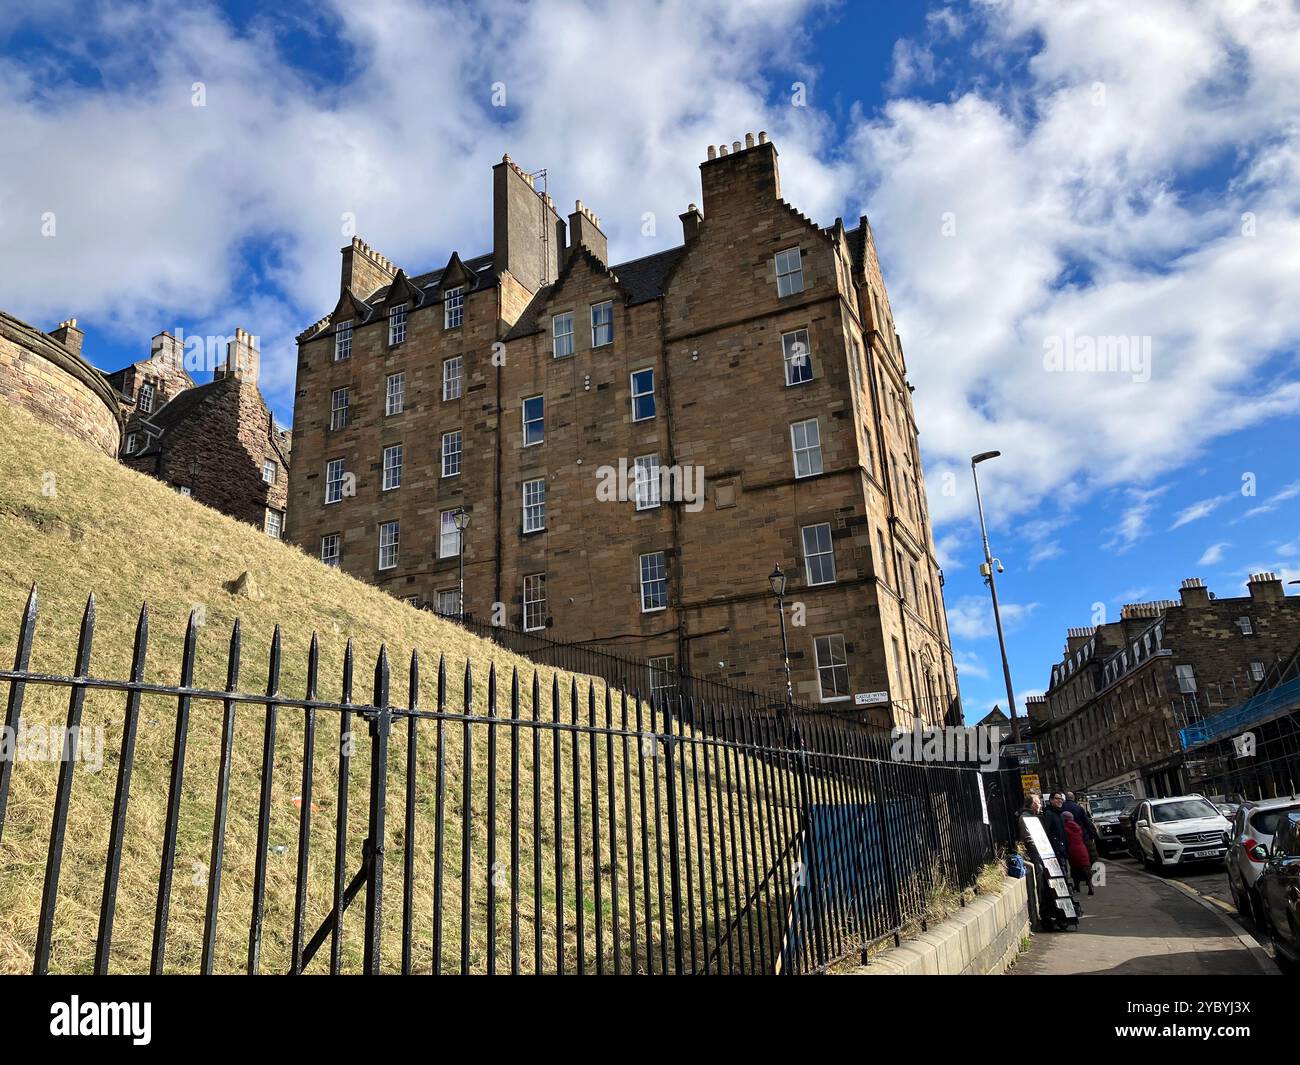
point(453, 307)
point(396, 325)
point(343, 341)
point(146, 399)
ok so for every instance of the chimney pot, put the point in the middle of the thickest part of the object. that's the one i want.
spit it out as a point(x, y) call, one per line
point(735, 146)
point(762, 136)
point(749, 140)
point(713, 152)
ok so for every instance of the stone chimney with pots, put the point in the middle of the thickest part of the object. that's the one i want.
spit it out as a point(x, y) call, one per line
point(1193, 592)
point(69, 335)
point(585, 231)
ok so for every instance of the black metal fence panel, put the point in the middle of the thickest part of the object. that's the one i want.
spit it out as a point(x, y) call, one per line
point(542, 823)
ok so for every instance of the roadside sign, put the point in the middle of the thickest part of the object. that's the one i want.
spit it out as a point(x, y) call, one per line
point(870, 698)
point(1029, 783)
point(1026, 752)
point(984, 804)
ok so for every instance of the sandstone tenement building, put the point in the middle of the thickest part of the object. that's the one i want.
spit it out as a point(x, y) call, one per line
point(216, 442)
point(45, 374)
point(547, 393)
point(1123, 690)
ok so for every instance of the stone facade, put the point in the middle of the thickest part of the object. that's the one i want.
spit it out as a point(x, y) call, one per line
point(145, 387)
point(696, 332)
point(217, 442)
point(1118, 699)
point(46, 376)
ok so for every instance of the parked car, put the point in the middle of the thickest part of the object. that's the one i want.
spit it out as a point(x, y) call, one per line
point(1279, 889)
point(1248, 842)
point(1105, 809)
point(1180, 829)
point(1228, 809)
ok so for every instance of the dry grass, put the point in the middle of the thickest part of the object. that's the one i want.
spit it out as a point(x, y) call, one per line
point(131, 539)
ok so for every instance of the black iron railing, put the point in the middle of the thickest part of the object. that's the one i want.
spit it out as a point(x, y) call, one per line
point(548, 824)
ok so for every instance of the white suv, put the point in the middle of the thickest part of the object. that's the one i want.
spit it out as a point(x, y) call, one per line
point(1185, 828)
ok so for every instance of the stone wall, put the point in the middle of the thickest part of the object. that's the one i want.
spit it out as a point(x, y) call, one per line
point(57, 386)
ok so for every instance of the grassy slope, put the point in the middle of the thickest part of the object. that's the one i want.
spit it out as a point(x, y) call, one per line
point(129, 538)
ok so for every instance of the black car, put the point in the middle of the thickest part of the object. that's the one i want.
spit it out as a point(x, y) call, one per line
point(1107, 811)
point(1279, 889)
point(1127, 834)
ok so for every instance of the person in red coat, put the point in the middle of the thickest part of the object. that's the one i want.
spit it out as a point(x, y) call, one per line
point(1076, 846)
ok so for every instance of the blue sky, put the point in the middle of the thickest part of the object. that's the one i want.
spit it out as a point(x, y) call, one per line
point(1037, 174)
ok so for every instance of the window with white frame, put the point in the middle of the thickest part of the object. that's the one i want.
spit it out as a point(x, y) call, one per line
point(798, 361)
point(338, 408)
point(1246, 626)
point(274, 523)
point(334, 480)
point(535, 505)
point(535, 601)
point(643, 395)
point(806, 444)
point(396, 325)
point(818, 554)
point(451, 453)
point(449, 602)
point(453, 308)
point(448, 535)
point(789, 272)
point(129, 446)
point(1186, 679)
point(534, 415)
point(602, 324)
point(329, 549)
point(343, 341)
point(146, 398)
point(185, 490)
point(269, 470)
point(663, 678)
point(1257, 671)
point(562, 335)
point(388, 545)
point(654, 582)
point(395, 394)
point(646, 482)
point(453, 377)
point(392, 467)
point(832, 667)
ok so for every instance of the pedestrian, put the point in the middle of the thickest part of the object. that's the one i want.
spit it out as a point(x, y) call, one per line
point(1052, 825)
point(1077, 850)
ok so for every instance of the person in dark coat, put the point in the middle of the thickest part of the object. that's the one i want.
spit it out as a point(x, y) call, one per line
point(1054, 826)
point(1077, 851)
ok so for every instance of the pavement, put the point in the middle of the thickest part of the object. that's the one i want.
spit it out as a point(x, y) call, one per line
point(1139, 923)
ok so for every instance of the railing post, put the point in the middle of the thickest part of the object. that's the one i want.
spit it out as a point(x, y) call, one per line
point(380, 726)
point(674, 855)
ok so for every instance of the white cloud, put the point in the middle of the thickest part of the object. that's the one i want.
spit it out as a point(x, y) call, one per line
point(1132, 525)
point(1276, 500)
point(1082, 203)
point(1213, 554)
point(970, 665)
point(971, 617)
point(1201, 509)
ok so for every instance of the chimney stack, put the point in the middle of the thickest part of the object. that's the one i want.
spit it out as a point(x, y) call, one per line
point(1194, 593)
point(69, 336)
point(528, 236)
point(365, 271)
point(1266, 588)
point(585, 231)
point(243, 360)
point(740, 174)
point(166, 349)
point(691, 221)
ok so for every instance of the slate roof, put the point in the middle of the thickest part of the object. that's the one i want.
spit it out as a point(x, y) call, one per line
point(157, 424)
point(642, 279)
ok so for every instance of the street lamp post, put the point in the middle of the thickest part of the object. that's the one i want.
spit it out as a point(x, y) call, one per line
point(776, 579)
point(990, 564)
point(461, 519)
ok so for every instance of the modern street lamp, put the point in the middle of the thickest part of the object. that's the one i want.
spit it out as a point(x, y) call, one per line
point(987, 569)
point(461, 520)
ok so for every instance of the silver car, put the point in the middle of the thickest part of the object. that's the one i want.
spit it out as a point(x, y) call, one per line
point(1249, 841)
